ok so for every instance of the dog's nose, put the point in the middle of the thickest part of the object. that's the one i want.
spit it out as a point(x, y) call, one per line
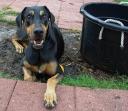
point(38, 31)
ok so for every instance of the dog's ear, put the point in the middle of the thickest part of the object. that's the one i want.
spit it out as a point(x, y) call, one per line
point(20, 17)
point(51, 16)
point(21, 32)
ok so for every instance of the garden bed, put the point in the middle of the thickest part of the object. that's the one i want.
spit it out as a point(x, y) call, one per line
point(77, 72)
point(10, 61)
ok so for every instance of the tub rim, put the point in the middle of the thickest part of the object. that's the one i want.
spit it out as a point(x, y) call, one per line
point(99, 21)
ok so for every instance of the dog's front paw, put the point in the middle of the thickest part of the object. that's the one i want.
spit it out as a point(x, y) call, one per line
point(19, 48)
point(50, 99)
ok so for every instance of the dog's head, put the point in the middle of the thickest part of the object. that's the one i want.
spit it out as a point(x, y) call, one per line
point(34, 20)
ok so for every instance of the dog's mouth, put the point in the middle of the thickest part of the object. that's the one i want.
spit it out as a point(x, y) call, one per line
point(38, 43)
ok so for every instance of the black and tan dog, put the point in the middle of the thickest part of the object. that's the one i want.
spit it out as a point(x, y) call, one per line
point(43, 43)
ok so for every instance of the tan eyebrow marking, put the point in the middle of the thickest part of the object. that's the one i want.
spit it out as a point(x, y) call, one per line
point(41, 12)
point(32, 12)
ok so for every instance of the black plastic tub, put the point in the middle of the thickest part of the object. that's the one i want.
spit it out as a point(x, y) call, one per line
point(104, 41)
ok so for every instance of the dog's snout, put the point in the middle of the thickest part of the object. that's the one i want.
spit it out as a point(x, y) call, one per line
point(38, 31)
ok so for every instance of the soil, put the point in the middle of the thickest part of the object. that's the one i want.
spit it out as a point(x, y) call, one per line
point(10, 61)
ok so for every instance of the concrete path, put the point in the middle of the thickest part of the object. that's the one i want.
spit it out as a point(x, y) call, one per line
point(66, 11)
point(28, 96)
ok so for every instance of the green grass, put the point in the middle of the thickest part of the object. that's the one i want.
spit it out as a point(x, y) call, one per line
point(121, 0)
point(9, 76)
point(85, 80)
point(7, 12)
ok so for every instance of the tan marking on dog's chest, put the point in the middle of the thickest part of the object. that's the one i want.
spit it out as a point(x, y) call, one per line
point(31, 67)
point(49, 68)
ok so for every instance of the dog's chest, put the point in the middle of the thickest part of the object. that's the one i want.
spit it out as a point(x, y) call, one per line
point(34, 57)
point(47, 68)
point(35, 68)
point(39, 60)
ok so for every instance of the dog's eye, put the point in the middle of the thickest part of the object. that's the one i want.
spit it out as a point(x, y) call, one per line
point(29, 16)
point(44, 16)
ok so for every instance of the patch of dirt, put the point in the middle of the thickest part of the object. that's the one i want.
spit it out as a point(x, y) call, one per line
point(10, 61)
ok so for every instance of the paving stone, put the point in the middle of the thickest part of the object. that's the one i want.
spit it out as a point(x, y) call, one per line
point(66, 100)
point(18, 5)
point(72, 1)
point(70, 25)
point(5, 3)
point(107, 0)
point(6, 90)
point(70, 17)
point(89, 1)
point(71, 7)
point(28, 96)
point(70, 20)
point(101, 100)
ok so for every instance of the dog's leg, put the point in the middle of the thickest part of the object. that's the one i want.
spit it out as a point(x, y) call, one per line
point(18, 46)
point(50, 98)
point(25, 44)
point(28, 75)
point(51, 68)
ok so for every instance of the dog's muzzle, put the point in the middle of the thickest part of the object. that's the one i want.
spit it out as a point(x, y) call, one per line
point(38, 38)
